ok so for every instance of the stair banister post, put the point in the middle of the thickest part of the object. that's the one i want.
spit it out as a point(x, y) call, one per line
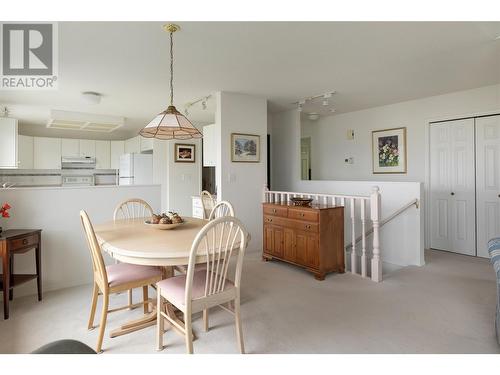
point(375, 207)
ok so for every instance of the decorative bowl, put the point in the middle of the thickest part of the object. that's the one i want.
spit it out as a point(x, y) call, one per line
point(301, 201)
point(163, 226)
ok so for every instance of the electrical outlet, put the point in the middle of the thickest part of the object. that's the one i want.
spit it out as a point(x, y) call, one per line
point(349, 160)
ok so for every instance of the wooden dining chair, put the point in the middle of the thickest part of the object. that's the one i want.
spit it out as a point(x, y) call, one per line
point(221, 209)
point(199, 290)
point(113, 279)
point(207, 202)
point(132, 209)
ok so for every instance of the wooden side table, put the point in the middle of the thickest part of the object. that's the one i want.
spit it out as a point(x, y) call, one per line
point(18, 241)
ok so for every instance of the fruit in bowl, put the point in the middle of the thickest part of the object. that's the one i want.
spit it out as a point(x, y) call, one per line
point(165, 221)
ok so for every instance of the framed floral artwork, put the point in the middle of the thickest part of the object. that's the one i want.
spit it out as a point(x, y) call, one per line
point(389, 150)
point(245, 148)
point(184, 153)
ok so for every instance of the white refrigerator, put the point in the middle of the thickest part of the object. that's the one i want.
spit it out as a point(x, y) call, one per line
point(136, 169)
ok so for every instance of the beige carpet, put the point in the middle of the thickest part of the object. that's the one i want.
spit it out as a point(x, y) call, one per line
point(446, 306)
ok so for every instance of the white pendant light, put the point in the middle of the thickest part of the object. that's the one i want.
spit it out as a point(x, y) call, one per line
point(170, 124)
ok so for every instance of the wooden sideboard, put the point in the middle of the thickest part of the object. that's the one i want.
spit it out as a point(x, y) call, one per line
point(309, 237)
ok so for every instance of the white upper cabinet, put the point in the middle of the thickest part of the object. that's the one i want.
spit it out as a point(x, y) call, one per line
point(87, 148)
point(47, 153)
point(103, 154)
point(70, 148)
point(133, 145)
point(8, 142)
point(117, 149)
point(146, 144)
point(25, 144)
point(209, 146)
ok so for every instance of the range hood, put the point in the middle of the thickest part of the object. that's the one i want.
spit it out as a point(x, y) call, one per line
point(92, 122)
point(78, 163)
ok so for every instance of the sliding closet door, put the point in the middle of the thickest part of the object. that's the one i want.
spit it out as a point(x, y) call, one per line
point(488, 181)
point(453, 186)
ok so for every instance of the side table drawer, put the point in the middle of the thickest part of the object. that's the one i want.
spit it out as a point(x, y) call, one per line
point(20, 243)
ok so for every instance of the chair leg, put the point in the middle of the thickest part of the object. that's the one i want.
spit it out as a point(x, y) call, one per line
point(237, 318)
point(130, 301)
point(95, 295)
point(160, 321)
point(145, 299)
point(205, 320)
point(104, 315)
point(188, 333)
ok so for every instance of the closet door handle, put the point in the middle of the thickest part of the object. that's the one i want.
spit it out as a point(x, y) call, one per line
point(452, 193)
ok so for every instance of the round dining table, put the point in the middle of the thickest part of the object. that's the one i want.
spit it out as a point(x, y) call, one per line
point(132, 241)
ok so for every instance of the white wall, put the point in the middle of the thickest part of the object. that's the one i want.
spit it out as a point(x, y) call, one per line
point(331, 146)
point(65, 256)
point(179, 181)
point(242, 183)
point(405, 248)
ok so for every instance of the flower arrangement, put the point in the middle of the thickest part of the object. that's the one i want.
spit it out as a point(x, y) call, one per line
point(388, 152)
point(4, 210)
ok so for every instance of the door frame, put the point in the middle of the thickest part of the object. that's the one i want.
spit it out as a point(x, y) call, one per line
point(427, 180)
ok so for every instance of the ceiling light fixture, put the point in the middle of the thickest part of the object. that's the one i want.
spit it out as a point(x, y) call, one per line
point(313, 116)
point(170, 124)
point(92, 97)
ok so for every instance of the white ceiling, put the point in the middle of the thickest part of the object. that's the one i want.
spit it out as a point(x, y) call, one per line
point(367, 63)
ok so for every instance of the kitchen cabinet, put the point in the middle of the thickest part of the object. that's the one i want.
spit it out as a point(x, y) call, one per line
point(209, 146)
point(146, 144)
point(309, 237)
point(117, 150)
point(70, 148)
point(133, 145)
point(25, 144)
point(87, 148)
point(47, 153)
point(103, 154)
point(8, 142)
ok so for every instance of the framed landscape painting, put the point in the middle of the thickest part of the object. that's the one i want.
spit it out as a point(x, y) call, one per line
point(245, 148)
point(389, 150)
point(184, 153)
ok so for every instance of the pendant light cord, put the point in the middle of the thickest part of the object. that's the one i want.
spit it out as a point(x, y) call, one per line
point(171, 69)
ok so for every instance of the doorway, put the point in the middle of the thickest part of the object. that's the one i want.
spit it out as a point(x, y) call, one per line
point(465, 184)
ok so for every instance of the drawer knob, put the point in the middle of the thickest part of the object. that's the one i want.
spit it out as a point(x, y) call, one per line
point(274, 210)
point(25, 241)
point(308, 227)
point(270, 220)
point(302, 214)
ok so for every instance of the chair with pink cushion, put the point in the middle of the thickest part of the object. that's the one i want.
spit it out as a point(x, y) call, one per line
point(201, 289)
point(113, 279)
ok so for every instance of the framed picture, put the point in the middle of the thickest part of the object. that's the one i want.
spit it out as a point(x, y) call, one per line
point(245, 148)
point(389, 150)
point(184, 153)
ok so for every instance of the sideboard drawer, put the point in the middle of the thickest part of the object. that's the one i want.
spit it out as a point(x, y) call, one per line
point(276, 211)
point(275, 220)
point(294, 213)
point(306, 227)
point(20, 243)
